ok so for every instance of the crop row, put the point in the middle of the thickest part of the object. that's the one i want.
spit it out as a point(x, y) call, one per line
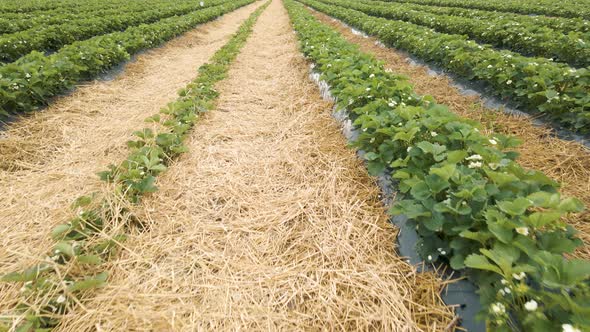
point(472, 204)
point(535, 84)
point(72, 265)
point(28, 83)
point(15, 22)
point(527, 39)
point(38, 7)
point(53, 37)
point(562, 24)
point(563, 8)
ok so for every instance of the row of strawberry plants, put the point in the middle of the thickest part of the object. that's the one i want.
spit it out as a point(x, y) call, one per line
point(472, 204)
point(536, 84)
point(34, 6)
point(15, 22)
point(53, 37)
point(527, 39)
point(562, 24)
point(28, 83)
point(548, 7)
point(52, 288)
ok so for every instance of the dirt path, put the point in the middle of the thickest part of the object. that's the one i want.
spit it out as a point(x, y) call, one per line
point(269, 223)
point(52, 157)
point(565, 161)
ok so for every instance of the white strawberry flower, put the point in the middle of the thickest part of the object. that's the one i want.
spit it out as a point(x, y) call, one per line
point(531, 305)
point(498, 308)
point(433, 134)
point(509, 82)
point(519, 276)
point(475, 164)
point(474, 157)
point(522, 230)
point(569, 328)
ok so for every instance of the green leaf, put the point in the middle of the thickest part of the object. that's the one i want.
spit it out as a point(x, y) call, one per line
point(64, 248)
point(503, 255)
point(540, 219)
point(371, 156)
point(457, 262)
point(29, 274)
point(94, 282)
point(82, 201)
point(571, 204)
point(501, 179)
point(436, 149)
point(436, 183)
point(445, 172)
point(89, 259)
point(456, 156)
point(154, 118)
point(411, 209)
point(480, 262)
point(502, 231)
point(434, 224)
point(481, 237)
point(420, 191)
point(516, 207)
point(545, 199)
point(59, 231)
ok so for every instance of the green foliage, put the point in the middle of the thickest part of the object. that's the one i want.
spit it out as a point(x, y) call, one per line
point(53, 37)
point(473, 205)
point(81, 241)
point(29, 82)
point(525, 38)
point(539, 7)
point(558, 91)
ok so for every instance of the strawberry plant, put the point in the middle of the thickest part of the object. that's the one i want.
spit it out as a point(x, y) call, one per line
point(73, 266)
point(539, 7)
point(472, 204)
point(51, 38)
point(538, 85)
point(526, 39)
point(28, 83)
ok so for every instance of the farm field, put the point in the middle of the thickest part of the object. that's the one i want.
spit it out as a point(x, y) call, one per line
point(244, 165)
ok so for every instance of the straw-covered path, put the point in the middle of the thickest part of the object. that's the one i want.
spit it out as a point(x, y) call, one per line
point(270, 222)
point(50, 158)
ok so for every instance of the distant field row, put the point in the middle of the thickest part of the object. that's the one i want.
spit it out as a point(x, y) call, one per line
point(536, 84)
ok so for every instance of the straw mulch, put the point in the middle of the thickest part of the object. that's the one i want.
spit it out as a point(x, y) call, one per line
point(565, 161)
point(269, 223)
point(51, 157)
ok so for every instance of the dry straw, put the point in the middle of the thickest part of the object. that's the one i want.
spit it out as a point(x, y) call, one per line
point(51, 157)
point(269, 223)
